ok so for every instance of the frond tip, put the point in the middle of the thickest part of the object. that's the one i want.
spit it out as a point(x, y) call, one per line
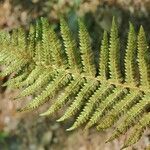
point(47, 69)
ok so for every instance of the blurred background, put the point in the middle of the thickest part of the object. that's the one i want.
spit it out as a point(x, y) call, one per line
point(28, 131)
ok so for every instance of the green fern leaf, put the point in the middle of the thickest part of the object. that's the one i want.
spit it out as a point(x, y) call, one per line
point(40, 82)
point(61, 80)
point(13, 67)
point(70, 47)
point(130, 58)
point(119, 109)
point(138, 130)
point(114, 55)
point(104, 58)
point(132, 115)
point(14, 37)
point(58, 56)
point(47, 58)
point(46, 69)
point(85, 92)
point(99, 94)
point(21, 39)
point(86, 51)
point(114, 96)
point(31, 42)
point(72, 89)
point(32, 76)
point(143, 63)
point(16, 80)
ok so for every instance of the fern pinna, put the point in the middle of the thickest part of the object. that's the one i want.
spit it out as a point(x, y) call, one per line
point(43, 67)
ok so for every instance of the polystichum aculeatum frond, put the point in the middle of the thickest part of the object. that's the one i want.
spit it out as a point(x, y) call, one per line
point(99, 98)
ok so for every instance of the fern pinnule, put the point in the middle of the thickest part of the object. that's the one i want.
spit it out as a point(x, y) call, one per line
point(47, 57)
point(86, 51)
point(114, 55)
point(39, 53)
point(16, 65)
point(70, 47)
point(38, 30)
point(55, 46)
point(21, 36)
point(14, 37)
point(104, 57)
point(7, 56)
point(4, 39)
point(130, 63)
point(31, 41)
point(4, 58)
point(143, 63)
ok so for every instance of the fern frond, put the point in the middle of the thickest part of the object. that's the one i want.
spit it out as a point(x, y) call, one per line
point(39, 53)
point(6, 56)
point(22, 45)
point(101, 96)
point(4, 39)
point(3, 56)
point(14, 37)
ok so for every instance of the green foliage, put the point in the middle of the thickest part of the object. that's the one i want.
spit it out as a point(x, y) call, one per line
point(48, 69)
point(130, 69)
point(114, 54)
point(104, 57)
